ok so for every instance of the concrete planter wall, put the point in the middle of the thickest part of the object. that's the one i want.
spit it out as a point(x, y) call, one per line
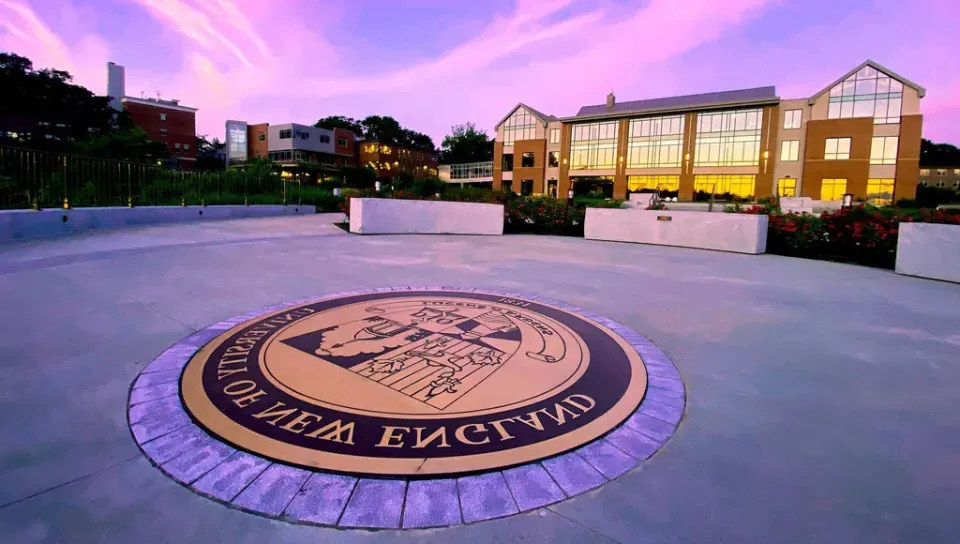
point(702, 230)
point(929, 251)
point(387, 216)
point(25, 224)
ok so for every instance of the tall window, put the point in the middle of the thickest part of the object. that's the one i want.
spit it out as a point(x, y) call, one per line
point(884, 150)
point(880, 191)
point(593, 146)
point(526, 187)
point(554, 135)
point(790, 150)
point(655, 142)
point(868, 93)
point(507, 162)
point(553, 159)
point(663, 183)
point(787, 187)
point(792, 119)
point(522, 125)
point(741, 186)
point(837, 149)
point(833, 189)
point(729, 138)
point(508, 186)
point(238, 140)
point(342, 142)
point(527, 160)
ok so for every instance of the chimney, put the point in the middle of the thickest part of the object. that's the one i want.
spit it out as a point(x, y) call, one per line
point(116, 85)
point(611, 99)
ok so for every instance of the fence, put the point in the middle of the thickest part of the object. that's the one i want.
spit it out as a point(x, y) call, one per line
point(40, 179)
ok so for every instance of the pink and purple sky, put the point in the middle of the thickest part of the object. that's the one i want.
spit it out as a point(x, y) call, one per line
point(434, 63)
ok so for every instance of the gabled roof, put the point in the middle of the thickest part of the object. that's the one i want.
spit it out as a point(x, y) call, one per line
point(680, 103)
point(876, 66)
point(544, 118)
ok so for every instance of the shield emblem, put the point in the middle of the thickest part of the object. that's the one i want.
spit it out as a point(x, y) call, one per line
point(432, 353)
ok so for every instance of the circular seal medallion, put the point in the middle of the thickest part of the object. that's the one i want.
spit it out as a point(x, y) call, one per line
point(413, 383)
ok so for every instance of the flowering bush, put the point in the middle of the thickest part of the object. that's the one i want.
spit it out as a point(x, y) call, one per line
point(862, 235)
point(543, 215)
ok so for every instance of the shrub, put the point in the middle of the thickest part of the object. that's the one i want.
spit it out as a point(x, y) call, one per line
point(542, 215)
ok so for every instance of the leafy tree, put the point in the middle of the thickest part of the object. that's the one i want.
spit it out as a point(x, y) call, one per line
point(358, 177)
point(384, 129)
point(340, 121)
point(47, 109)
point(934, 155)
point(210, 154)
point(403, 180)
point(466, 144)
point(127, 144)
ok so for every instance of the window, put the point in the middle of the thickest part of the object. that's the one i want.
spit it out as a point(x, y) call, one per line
point(729, 138)
point(741, 186)
point(163, 116)
point(176, 146)
point(941, 172)
point(262, 137)
point(552, 188)
point(342, 142)
point(956, 171)
point(324, 139)
point(868, 93)
point(593, 145)
point(553, 159)
point(163, 132)
point(924, 172)
point(522, 125)
point(790, 150)
point(526, 187)
point(884, 150)
point(655, 142)
point(787, 187)
point(186, 147)
point(554, 135)
point(940, 183)
point(286, 134)
point(507, 162)
point(956, 184)
point(508, 185)
point(663, 183)
point(792, 119)
point(833, 189)
point(880, 191)
point(527, 160)
point(237, 139)
point(837, 149)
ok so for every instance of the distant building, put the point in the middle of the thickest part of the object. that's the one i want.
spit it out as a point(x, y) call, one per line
point(290, 144)
point(943, 177)
point(164, 121)
point(859, 135)
point(388, 160)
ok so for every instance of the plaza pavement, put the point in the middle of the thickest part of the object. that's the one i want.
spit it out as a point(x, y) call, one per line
point(822, 405)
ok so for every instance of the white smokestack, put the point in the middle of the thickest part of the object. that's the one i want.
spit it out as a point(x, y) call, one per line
point(116, 85)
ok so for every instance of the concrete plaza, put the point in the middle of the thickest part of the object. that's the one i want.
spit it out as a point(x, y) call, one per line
point(822, 398)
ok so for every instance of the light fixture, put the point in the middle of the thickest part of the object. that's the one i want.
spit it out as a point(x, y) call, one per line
point(376, 186)
point(766, 154)
point(686, 157)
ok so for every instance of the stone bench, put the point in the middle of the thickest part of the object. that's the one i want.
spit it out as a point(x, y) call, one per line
point(738, 233)
point(388, 216)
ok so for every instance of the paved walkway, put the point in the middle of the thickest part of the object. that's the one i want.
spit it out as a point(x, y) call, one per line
point(822, 399)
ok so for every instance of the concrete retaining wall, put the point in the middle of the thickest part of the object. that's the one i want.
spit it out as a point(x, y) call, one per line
point(702, 230)
point(386, 216)
point(25, 224)
point(929, 251)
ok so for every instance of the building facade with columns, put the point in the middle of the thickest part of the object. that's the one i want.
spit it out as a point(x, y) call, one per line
point(859, 135)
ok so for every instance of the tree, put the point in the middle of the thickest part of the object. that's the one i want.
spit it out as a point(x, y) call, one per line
point(466, 144)
point(938, 155)
point(340, 121)
point(129, 144)
point(384, 129)
point(210, 155)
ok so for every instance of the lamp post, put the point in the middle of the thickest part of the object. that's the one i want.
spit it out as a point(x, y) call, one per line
point(376, 186)
point(570, 197)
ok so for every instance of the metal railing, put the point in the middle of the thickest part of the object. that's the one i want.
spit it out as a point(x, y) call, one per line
point(40, 179)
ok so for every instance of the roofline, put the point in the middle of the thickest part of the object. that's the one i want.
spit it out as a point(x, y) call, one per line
point(534, 112)
point(708, 106)
point(921, 91)
point(145, 102)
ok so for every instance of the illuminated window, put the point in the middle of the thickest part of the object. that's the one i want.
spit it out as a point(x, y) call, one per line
point(286, 134)
point(176, 146)
point(940, 183)
point(792, 119)
point(729, 138)
point(924, 172)
point(655, 142)
point(385, 149)
point(880, 191)
point(527, 160)
point(522, 125)
point(837, 149)
point(663, 183)
point(741, 186)
point(868, 93)
point(884, 150)
point(787, 187)
point(553, 159)
point(941, 172)
point(833, 189)
point(163, 116)
point(554, 135)
point(790, 150)
point(956, 171)
point(593, 146)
